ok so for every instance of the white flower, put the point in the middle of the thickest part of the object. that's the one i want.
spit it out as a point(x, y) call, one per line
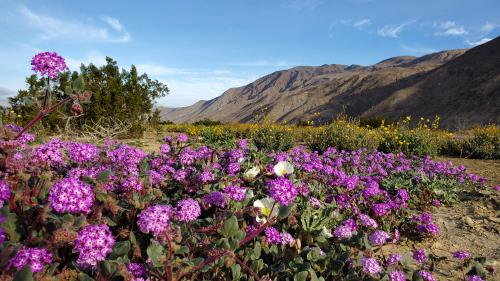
point(265, 206)
point(249, 194)
point(252, 173)
point(283, 168)
point(241, 160)
point(326, 233)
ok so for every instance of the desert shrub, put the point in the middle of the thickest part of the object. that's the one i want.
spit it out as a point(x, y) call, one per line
point(479, 142)
point(271, 137)
point(216, 136)
point(424, 139)
point(374, 122)
point(207, 122)
point(343, 135)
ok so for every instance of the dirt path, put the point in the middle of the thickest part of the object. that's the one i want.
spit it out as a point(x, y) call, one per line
point(473, 224)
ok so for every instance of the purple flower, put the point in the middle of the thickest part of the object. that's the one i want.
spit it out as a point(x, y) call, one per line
point(182, 137)
point(393, 259)
point(137, 270)
point(367, 221)
point(188, 210)
point(461, 255)
point(397, 276)
point(381, 209)
point(436, 203)
point(215, 198)
point(287, 239)
point(233, 168)
point(48, 64)
point(4, 192)
point(187, 156)
point(165, 148)
point(236, 193)
point(242, 143)
point(206, 176)
point(71, 195)
point(36, 258)
point(419, 255)
point(273, 236)
point(475, 278)
point(426, 276)
point(82, 152)
point(93, 243)
point(155, 219)
point(314, 202)
point(282, 190)
point(342, 232)
point(378, 237)
point(370, 266)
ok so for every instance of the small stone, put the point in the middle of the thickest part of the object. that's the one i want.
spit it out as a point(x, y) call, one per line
point(468, 221)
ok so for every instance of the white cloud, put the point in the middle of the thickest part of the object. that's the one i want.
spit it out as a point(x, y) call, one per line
point(56, 28)
point(186, 91)
point(305, 4)
point(488, 27)
point(393, 30)
point(362, 23)
point(479, 42)
point(449, 28)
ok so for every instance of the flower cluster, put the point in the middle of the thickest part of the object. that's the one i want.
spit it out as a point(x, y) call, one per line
point(4, 192)
point(188, 210)
point(71, 195)
point(93, 243)
point(36, 258)
point(282, 190)
point(215, 198)
point(155, 219)
point(235, 192)
point(48, 64)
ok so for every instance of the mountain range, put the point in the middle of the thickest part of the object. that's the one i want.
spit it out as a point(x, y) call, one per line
point(461, 86)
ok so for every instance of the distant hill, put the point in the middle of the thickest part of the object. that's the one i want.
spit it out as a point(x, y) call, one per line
point(461, 86)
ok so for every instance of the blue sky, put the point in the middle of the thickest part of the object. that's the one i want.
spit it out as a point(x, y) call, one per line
point(200, 48)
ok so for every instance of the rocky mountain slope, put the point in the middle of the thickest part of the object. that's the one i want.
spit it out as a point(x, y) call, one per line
point(461, 86)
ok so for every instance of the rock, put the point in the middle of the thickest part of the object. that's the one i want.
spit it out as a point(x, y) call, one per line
point(468, 221)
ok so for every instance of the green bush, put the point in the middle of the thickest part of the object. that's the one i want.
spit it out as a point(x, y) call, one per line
point(273, 137)
point(342, 135)
point(483, 143)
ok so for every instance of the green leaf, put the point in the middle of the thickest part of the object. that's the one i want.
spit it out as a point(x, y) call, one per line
point(84, 277)
point(236, 271)
point(104, 176)
point(416, 276)
point(284, 211)
point(155, 252)
point(256, 251)
point(301, 276)
point(79, 84)
point(10, 224)
point(68, 219)
point(120, 249)
point(24, 274)
point(230, 227)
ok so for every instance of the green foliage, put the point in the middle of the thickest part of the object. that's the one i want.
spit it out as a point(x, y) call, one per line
point(123, 95)
point(270, 137)
point(207, 122)
point(483, 143)
point(342, 135)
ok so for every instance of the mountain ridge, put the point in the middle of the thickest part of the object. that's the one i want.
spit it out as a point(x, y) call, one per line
point(405, 85)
